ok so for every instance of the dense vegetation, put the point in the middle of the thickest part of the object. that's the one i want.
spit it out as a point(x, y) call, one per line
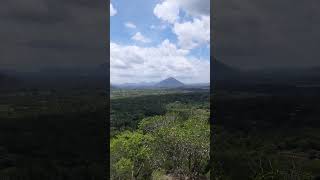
point(126, 112)
point(160, 136)
point(52, 134)
point(266, 135)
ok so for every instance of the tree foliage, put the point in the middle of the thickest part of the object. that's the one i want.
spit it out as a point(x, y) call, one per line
point(176, 143)
point(130, 155)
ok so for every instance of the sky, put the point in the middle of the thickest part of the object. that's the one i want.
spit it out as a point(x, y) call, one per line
point(247, 34)
point(151, 40)
point(264, 34)
point(52, 33)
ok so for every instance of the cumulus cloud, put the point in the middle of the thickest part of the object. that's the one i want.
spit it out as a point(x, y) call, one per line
point(130, 25)
point(155, 63)
point(193, 33)
point(139, 37)
point(190, 33)
point(167, 11)
point(195, 7)
point(113, 11)
point(134, 63)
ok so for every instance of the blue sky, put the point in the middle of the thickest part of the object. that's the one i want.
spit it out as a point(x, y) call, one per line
point(154, 39)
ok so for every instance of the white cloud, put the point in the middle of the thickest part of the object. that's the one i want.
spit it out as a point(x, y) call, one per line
point(195, 8)
point(190, 33)
point(193, 33)
point(130, 25)
point(139, 37)
point(113, 11)
point(136, 64)
point(167, 11)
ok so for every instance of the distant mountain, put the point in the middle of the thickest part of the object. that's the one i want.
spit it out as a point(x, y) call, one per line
point(93, 76)
point(225, 74)
point(222, 71)
point(135, 85)
point(7, 80)
point(169, 83)
point(93, 71)
point(113, 86)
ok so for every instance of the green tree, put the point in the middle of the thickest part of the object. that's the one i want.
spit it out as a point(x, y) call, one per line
point(130, 155)
point(181, 145)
